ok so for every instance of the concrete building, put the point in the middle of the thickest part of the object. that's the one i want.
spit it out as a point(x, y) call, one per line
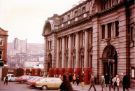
point(95, 36)
point(20, 52)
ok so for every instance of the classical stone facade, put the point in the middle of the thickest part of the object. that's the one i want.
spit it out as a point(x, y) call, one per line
point(96, 36)
point(3, 45)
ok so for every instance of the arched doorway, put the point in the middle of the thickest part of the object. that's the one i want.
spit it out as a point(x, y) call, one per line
point(49, 62)
point(109, 59)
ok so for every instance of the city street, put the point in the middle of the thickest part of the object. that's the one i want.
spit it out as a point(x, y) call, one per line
point(13, 86)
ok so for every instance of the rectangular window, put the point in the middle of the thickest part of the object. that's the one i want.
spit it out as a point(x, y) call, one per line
point(116, 28)
point(50, 44)
point(73, 40)
point(83, 9)
point(133, 72)
point(76, 13)
point(0, 55)
point(1, 42)
point(109, 25)
point(103, 31)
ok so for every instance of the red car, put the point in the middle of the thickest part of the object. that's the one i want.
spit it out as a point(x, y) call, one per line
point(22, 78)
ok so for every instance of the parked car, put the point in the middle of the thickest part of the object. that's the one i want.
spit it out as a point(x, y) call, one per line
point(23, 78)
point(33, 80)
point(11, 77)
point(48, 83)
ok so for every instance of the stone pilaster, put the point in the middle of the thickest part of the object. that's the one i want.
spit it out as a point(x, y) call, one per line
point(69, 52)
point(57, 55)
point(86, 50)
point(77, 50)
point(63, 52)
point(95, 58)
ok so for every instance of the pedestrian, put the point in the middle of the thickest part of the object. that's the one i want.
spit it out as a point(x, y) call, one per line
point(74, 78)
point(92, 82)
point(103, 85)
point(66, 85)
point(116, 82)
point(107, 78)
point(6, 80)
point(70, 77)
point(126, 83)
point(77, 80)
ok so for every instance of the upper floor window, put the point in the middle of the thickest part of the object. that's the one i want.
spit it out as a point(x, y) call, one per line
point(1, 41)
point(49, 44)
point(90, 38)
point(76, 13)
point(103, 31)
point(116, 28)
point(68, 16)
point(83, 9)
point(73, 40)
point(62, 19)
point(66, 42)
point(60, 44)
point(109, 26)
point(0, 55)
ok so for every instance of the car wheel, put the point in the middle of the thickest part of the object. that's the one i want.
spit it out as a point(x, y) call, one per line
point(44, 87)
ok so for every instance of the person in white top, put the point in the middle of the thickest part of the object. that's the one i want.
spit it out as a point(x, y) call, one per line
point(116, 82)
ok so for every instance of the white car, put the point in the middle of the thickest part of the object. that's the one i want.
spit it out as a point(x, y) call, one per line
point(11, 77)
point(49, 83)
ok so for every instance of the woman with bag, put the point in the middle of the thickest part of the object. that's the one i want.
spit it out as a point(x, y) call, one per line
point(116, 82)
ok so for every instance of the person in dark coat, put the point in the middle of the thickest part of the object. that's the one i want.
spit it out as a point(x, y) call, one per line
point(70, 77)
point(126, 82)
point(77, 80)
point(66, 85)
point(92, 82)
point(6, 80)
point(107, 78)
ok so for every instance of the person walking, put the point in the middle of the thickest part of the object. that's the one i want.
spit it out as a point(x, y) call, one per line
point(70, 77)
point(77, 80)
point(103, 85)
point(126, 83)
point(6, 80)
point(116, 82)
point(92, 82)
point(65, 85)
point(107, 78)
point(74, 78)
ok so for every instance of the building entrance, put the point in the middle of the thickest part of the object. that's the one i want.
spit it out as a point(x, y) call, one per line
point(109, 59)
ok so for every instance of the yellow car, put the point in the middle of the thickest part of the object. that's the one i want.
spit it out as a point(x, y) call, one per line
point(48, 83)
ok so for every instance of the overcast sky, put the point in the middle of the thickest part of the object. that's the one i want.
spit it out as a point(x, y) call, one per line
point(25, 18)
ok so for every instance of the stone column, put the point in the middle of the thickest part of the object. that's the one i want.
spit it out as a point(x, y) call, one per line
point(77, 50)
point(63, 53)
point(57, 57)
point(69, 52)
point(86, 50)
point(86, 69)
point(95, 59)
point(45, 55)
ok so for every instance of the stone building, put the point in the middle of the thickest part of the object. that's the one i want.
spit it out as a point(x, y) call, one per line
point(3, 45)
point(95, 36)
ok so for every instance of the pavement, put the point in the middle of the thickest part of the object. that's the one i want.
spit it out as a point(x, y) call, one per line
point(80, 87)
point(98, 88)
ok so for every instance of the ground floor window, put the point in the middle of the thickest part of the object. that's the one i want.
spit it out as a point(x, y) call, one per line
point(133, 72)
